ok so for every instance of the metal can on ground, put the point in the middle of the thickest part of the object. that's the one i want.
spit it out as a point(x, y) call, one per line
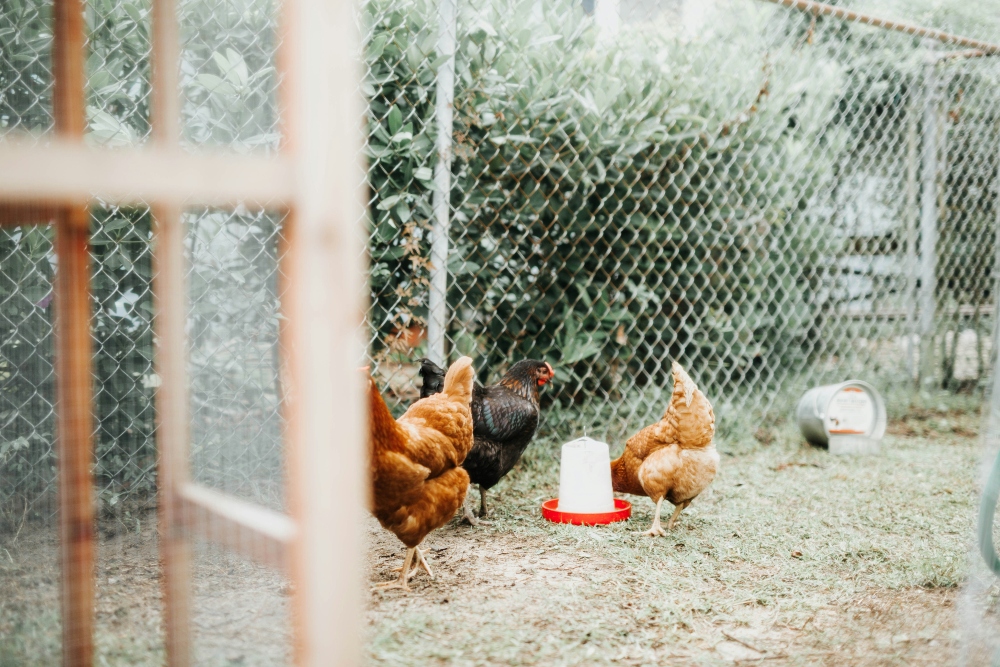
point(847, 418)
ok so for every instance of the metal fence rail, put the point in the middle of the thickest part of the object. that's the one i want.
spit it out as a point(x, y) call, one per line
point(775, 196)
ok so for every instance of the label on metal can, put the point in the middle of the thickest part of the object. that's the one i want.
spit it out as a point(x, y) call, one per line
point(851, 412)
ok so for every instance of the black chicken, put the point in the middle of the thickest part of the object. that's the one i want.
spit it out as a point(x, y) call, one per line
point(504, 415)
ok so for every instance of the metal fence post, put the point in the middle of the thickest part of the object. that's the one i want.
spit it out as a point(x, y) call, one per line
point(995, 334)
point(911, 261)
point(607, 13)
point(928, 220)
point(437, 318)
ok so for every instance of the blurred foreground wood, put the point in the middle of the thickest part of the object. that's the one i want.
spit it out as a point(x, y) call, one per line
point(313, 182)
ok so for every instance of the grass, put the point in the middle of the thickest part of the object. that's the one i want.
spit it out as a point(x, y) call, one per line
point(791, 555)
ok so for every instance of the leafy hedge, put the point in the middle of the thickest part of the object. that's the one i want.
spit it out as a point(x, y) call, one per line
point(613, 207)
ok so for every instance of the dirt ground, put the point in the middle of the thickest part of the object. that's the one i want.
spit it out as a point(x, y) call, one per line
point(791, 557)
point(240, 609)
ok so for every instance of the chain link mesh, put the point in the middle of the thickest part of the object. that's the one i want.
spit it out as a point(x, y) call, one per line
point(738, 186)
point(733, 185)
point(229, 86)
point(775, 198)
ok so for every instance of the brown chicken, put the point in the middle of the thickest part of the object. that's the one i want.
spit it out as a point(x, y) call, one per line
point(673, 458)
point(417, 481)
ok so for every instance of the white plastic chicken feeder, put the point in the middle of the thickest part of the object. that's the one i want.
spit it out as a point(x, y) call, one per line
point(847, 418)
point(585, 494)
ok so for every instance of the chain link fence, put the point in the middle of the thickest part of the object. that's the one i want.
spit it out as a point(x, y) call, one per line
point(229, 85)
point(776, 198)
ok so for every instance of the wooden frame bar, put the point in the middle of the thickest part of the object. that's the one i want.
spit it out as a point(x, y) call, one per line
point(325, 415)
point(172, 398)
point(74, 387)
point(256, 532)
point(74, 356)
point(71, 171)
point(172, 432)
point(13, 214)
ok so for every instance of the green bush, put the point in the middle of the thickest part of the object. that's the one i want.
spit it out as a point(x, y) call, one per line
point(613, 206)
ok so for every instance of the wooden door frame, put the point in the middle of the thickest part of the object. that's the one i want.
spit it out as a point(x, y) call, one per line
point(313, 180)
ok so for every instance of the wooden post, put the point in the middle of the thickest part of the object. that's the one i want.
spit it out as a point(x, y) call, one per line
point(170, 296)
point(172, 429)
point(325, 413)
point(74, 356)
point(74, 387)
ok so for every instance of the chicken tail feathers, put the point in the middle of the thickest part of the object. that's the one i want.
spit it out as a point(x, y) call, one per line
point(459, 379)
point(384, 432)
point(683, 384)
point(689, 412)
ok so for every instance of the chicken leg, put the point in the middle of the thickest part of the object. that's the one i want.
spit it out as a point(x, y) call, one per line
point(655, 530)
point(404, 575)
point(482, 501)
point(468, 514)
point(418, 561)
point(423, 561)
point(677, 513)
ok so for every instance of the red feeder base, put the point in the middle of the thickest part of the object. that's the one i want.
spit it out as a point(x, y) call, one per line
point(623, 510)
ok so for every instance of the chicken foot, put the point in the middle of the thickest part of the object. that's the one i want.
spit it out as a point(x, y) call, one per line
point(655, 530)
point(404, 574)
point(469, 516)
point(418, 561)
point(423, 561)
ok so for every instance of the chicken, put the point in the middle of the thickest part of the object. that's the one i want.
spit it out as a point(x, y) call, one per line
point(505, 416)
point(432, 377)
point(417, 479)
point(673, 458)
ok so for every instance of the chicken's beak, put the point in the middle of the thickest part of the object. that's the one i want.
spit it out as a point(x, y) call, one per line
point(543, 380)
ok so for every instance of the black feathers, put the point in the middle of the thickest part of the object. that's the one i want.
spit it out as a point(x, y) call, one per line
point(504, 415)
point(504, 422)
point(433, 378)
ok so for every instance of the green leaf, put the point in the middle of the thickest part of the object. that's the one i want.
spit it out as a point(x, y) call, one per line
point(115, 225)
point(388, 202)
point(134, 13)
point(215, 85)
point(395, 119)
point(403, 212)
point(376, 47)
